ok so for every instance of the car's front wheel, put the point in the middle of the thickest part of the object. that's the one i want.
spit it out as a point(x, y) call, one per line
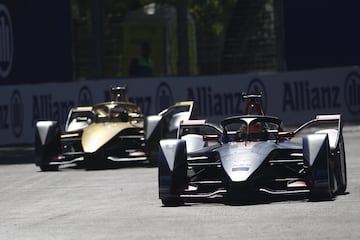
point(172, 202)
point(340, 168)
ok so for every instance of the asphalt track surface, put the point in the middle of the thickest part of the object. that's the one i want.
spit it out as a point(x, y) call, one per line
point(123, 204)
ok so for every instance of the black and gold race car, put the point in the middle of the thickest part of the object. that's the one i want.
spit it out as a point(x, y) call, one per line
point(104, 134)
point(111, 131)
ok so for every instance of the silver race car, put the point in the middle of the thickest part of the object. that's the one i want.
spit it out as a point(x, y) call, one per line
point(252, 157)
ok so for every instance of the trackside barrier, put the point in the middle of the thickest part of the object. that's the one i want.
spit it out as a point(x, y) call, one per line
point(293, 96)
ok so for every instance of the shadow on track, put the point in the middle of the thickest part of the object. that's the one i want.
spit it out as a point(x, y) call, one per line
point(134, 164)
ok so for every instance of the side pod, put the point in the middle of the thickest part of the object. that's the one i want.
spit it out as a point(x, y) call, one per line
point(47, 144)
point(317, 159)
point(173, 178)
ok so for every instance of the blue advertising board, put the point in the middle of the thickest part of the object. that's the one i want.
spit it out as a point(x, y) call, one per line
point(35, 41)
point(295, 97)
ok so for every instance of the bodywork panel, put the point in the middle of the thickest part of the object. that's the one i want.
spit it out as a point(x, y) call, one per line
point(97, 135)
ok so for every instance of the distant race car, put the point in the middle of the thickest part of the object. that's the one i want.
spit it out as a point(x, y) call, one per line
point(251, 157)
point(104, 134)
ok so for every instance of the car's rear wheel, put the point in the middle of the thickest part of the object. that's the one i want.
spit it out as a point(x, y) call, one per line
point(47, 145)
point(44, 153)
point(324, 178)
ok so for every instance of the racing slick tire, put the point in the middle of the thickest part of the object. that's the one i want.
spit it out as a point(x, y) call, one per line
point(172, 172)
point(47, 149)
point(172, 202)
point(44, 164)
point(48, 168)
point(322, 194)
point(322, 171)
point(340, 167)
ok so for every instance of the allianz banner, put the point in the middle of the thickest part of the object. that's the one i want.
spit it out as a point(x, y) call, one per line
point(295, 97)
point(35, 41)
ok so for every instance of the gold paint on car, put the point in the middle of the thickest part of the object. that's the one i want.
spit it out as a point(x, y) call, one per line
point(98, 134)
